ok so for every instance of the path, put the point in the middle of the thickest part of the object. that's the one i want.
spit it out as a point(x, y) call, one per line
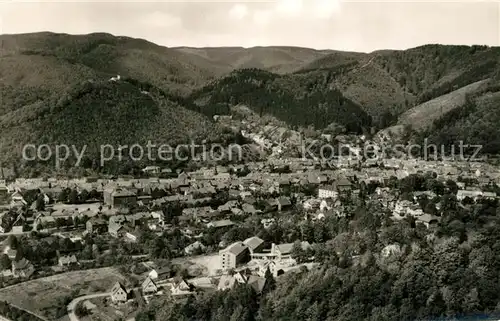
point(72, 304)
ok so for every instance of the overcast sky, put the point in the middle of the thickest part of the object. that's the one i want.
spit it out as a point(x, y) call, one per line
point(323, 24)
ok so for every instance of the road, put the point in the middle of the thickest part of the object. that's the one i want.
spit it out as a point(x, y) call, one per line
point(4, 319)
point(72, 304)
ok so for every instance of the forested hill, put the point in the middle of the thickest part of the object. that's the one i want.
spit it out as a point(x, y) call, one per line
point(298, 99)
point(98, 113)
point(303, 87)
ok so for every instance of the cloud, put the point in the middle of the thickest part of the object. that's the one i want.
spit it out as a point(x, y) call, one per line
point(262, 17)
point(238, 11)
point(332, 24)
point(289, 8)
point(324, 9)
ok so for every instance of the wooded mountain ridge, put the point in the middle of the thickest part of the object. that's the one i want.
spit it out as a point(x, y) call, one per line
point(56, 87)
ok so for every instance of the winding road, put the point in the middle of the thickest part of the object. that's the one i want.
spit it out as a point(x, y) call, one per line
point(72, 304)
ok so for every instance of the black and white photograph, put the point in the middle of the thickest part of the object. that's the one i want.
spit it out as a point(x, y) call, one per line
point(259, 160)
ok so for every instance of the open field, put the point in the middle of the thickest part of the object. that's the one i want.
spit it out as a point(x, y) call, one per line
point(46, 295)
point(201, 265)
point(209, 262)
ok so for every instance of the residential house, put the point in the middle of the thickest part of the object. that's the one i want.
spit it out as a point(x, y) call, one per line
point(17, 200)
point(22, 268)
point(119, 293)
point(4, 194)
point(226, 208)
point(116, 229)
point(229, 281)
point(428, 220)
point(149, 286)
point(283, 203)
point(222, 177)
point(11, 253)
point(343, 185)
point(403, 208)
point(267, 222)
point(161, 273)
point(473, 194)
point(45, 221)
point(51, 193)
point(328, 191)
point(67, 260)
point(248, 209)
point(182, 287)
point(235, 254)
point(271, 265)
point(489, 195)
point(220, 224)
point(203, 283)
point(183, 180)
point(328, 204)
point(96, 225)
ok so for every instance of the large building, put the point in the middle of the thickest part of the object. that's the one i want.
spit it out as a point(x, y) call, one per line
point(119, 197)
point(235, 254)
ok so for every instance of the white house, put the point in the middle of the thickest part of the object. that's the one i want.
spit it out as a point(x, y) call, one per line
point(149, 286)
point(328, 192)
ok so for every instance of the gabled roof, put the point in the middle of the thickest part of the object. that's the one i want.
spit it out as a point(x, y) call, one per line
point(147, 282)
point(119, 192)
point(236, 248)
point(257, 283)
point(68, 259)
point(253, 242)
point(343, 182)
point(118, 286)
point(284, 201)
point(221, 223)
point(21, 264)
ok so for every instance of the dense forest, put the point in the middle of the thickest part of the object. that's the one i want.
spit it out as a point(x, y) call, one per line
point(299, 99)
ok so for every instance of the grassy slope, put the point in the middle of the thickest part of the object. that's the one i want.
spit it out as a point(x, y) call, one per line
point(422, 116)
point(475, 122)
